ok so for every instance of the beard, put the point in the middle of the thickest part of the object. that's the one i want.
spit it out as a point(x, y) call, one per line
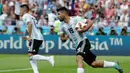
point(61, 19)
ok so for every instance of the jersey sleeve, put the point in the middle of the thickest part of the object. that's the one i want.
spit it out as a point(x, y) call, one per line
point(26, 19)
point(61, 29)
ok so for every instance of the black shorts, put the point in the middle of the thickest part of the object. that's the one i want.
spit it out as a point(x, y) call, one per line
point(83, 49)
point(34, 46)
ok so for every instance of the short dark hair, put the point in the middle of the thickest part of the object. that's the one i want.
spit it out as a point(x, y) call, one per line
point(25, 6)
point(63, 9)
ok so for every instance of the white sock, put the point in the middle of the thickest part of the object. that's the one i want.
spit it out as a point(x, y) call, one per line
point(80, 70)
point(34, 66)
point(40, 57)
point(109, 64)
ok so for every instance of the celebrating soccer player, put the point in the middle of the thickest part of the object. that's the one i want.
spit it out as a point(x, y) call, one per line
point(80, 41)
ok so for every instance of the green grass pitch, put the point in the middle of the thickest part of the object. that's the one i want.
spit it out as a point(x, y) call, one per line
point(63, 64)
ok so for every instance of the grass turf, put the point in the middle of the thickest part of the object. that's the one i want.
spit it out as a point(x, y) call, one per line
point(63, 64)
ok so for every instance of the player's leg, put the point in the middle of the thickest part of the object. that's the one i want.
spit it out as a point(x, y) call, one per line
point(36, 46)
point(101, 63)
point(106, 64)
point(33, 63)
point(83, 55)
point(79, 60)
point(31, 54)
point(90, 59)
point(80, 56)
point(44, 58)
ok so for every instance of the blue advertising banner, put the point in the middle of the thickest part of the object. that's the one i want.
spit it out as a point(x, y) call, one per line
point(100, 45)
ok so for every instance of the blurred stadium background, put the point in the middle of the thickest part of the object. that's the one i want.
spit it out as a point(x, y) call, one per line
point(109, 35)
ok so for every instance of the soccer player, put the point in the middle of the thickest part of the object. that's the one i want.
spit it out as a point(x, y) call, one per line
point(80, 42)
point(35, 38)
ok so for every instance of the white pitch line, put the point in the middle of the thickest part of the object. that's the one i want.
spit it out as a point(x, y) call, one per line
point(12, 70)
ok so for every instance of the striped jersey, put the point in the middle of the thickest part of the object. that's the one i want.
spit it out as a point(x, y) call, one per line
point(36, 34)
point(69, 29)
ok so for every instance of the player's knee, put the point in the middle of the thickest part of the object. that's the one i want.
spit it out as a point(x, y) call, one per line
point(30, 54)
point(94, 65)
point(79, 59)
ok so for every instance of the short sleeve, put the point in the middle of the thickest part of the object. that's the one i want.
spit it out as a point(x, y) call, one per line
point(26, 19)
point(62, 28)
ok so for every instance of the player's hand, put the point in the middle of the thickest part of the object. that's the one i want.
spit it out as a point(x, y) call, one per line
point(26, 38)
point(80, 30)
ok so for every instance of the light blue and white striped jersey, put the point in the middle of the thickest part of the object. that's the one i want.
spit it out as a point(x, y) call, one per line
point(36, 34)
point(69, 29)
